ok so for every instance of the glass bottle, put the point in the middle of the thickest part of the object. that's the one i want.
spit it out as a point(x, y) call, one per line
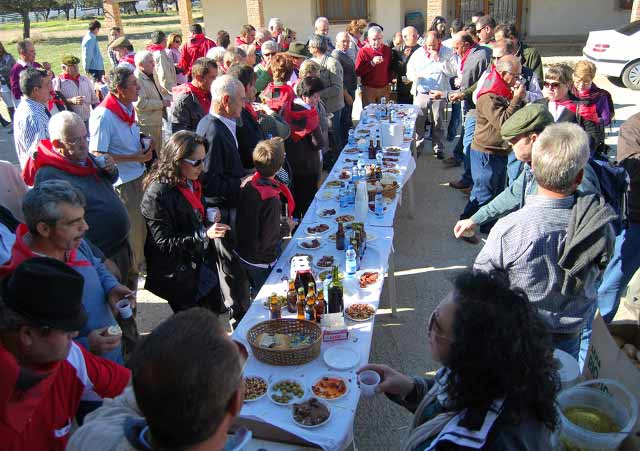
point(372, 150)
point(310, 311)
point(320, 305)
point(340, 237)
point(274, 307)
point(300, 304)
point(291, 296)
point(336, 304)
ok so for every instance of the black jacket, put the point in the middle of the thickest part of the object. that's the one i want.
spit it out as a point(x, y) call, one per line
point(223, 169)
point(399, 63)
point(175, 245)
point(249, 134)
point(186, 113)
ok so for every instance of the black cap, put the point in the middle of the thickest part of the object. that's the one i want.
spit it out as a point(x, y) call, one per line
point(48, 292)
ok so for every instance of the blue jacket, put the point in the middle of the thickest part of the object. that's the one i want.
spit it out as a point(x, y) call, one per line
point(91, 56)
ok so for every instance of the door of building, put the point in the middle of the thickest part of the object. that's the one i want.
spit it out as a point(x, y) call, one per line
point(501, 10)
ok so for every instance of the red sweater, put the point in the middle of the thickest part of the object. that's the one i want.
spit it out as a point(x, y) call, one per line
point(377, 76)
point(197, 47)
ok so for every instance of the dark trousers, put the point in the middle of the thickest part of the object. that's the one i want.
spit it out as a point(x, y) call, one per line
point(233, 280)
point(489, 173)
point(305, 187)
point(96, 74)
point(257, 276)
point(454, 122)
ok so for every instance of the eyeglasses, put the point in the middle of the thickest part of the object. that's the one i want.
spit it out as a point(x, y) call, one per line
point(433, 324)
point(551, 84)
point(194, 163)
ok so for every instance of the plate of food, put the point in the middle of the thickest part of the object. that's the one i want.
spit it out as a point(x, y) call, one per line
point(372, 208)
point(392, 150)
point(345, 218)
point(318, 229)
point(327, 213)
point(391, 170)
point(360, 312)
point(309, 244)
point(367, 279)
point(311, 413)
point(286, 392)
point(351, 150)
point(330, 387)
point(333, 184)
point(327, 194)
point(325, 262)
point(282, 300)
point(255, 387)
point(390, 159)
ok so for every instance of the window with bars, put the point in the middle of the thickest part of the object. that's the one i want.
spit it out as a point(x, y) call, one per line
point(343, 10)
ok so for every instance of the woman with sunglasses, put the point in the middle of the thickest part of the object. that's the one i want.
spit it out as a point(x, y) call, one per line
point(564, 106)
point(498, 385)
point(174, 41)
point(180, 260)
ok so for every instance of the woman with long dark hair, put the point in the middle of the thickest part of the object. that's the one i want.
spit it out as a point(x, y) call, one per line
point(499, 381)
point(180, 259)
point(439, 25)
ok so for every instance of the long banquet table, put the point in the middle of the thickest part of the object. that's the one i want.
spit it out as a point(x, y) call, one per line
point(271, 421)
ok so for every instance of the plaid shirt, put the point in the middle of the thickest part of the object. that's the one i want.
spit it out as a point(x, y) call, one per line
point(528, 244)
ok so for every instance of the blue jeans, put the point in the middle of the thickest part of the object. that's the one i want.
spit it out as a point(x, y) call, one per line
point(467, 138)
point(489, 172)
point(514, 167)
point(458, 150)
point(622, 267)
point(455, 120)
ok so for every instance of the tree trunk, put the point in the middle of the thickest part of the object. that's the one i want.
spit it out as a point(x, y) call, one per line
point(26, 25)
point(75, 10)
point(135, 10)
point(67, 11)
point(161, 6)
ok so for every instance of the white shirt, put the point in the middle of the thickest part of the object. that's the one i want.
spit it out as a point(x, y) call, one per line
point(555, 110)
point(230, 123)
point(427, 74)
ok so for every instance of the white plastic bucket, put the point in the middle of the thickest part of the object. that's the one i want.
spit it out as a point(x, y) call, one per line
point(619, 404)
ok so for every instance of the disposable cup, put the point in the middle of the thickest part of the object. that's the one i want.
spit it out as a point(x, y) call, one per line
point(124, 308)
point(212, 212)
point(368, 380)
point(146, 142)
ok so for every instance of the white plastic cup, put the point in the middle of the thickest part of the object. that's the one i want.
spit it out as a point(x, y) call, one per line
point(368, 380)
point(124, 308)
point(212, 212)
point(146, 142)
point(101, 161)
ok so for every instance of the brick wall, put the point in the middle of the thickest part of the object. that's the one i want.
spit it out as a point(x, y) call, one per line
point(434, 8)
point(255, 13)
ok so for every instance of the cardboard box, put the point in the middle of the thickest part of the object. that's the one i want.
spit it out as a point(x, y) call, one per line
point(606, 360)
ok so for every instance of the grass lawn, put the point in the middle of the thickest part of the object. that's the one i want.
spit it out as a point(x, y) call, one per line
point(57, 38)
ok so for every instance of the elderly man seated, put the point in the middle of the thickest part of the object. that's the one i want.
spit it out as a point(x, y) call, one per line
point(556, 247)
point(55, 227)
point(45, 375)
point(153, 414)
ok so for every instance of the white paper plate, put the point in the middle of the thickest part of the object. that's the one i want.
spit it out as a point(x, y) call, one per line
point(373, 285)
point(322, 210)
point(271, 391)
point(327, 194)
point(335, 376)
point(341, 358)
point(309, 239)
point(350, 318)
point(315, 225)
point(321, 400)
point(262, 395)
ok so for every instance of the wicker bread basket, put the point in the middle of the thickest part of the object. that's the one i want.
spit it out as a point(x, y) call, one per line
point(286, 357)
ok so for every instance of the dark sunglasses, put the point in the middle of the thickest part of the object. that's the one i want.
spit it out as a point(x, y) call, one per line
point(194, 163)
point(551, 84)
point(432, 325)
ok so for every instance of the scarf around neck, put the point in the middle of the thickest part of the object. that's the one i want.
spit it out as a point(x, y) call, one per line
point(46, 155)
point(112, 104)
point(494, 83)
point(302, 123)
point(466, 55)
point(273, 188)
point(65, 76)
point(194, 197)
point(155, 47)
point(202, 96)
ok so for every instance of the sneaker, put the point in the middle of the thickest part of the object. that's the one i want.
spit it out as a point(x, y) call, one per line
point(440, 155)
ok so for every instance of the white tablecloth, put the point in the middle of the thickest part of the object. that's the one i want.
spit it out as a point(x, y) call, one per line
point(336, 434)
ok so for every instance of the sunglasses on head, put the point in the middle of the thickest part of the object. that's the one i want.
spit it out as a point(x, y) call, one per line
point(194, 163)
point(551, 84)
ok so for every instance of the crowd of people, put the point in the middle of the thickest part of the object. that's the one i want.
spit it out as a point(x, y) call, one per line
point(190, 159)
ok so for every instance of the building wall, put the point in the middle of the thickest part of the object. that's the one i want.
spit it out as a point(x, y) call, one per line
point(559, 18)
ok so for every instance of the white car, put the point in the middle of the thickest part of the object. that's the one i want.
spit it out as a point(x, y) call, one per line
point(616, 53)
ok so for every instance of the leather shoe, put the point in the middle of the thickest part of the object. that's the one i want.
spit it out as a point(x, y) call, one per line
point(470, 239)
point(458, 185)
point(451, 162)
point(466, 190)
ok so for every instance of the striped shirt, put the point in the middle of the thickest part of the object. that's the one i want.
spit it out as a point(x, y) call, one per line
point(528, 244)
point(70, 89)
point(31, 124)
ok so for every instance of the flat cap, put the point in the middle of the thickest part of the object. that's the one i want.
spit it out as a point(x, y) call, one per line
point(70, 60)
point(120, 42)
point(531, 118)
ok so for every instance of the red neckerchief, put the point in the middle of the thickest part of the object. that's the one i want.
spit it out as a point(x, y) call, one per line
point(75, 79)
point(495, 84)
point(376, 52)
point(46, 155)
point(281, 102)
point(273, 188)
point(112, 104)
point(302, 123)
point(590, 98)
point(21, 252)
point(249, 107)
point(466, 55)
point(19, 405)
point(240, 41)
point(202, 96)
point(129, 58)
point(55, 100)
point(155, 47)
point(193, 197)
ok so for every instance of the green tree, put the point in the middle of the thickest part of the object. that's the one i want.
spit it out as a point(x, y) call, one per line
point(24, 7)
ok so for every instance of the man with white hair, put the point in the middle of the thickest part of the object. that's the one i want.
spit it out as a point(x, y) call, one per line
point(321, 29)
point(221, 178)
point(263, 74)
point(276, 29)
point(399, 60)
point(373, 66)
point(556, 247)
point(429, 70)
point(153, 99)
point(349, 80)
point(262, 36)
